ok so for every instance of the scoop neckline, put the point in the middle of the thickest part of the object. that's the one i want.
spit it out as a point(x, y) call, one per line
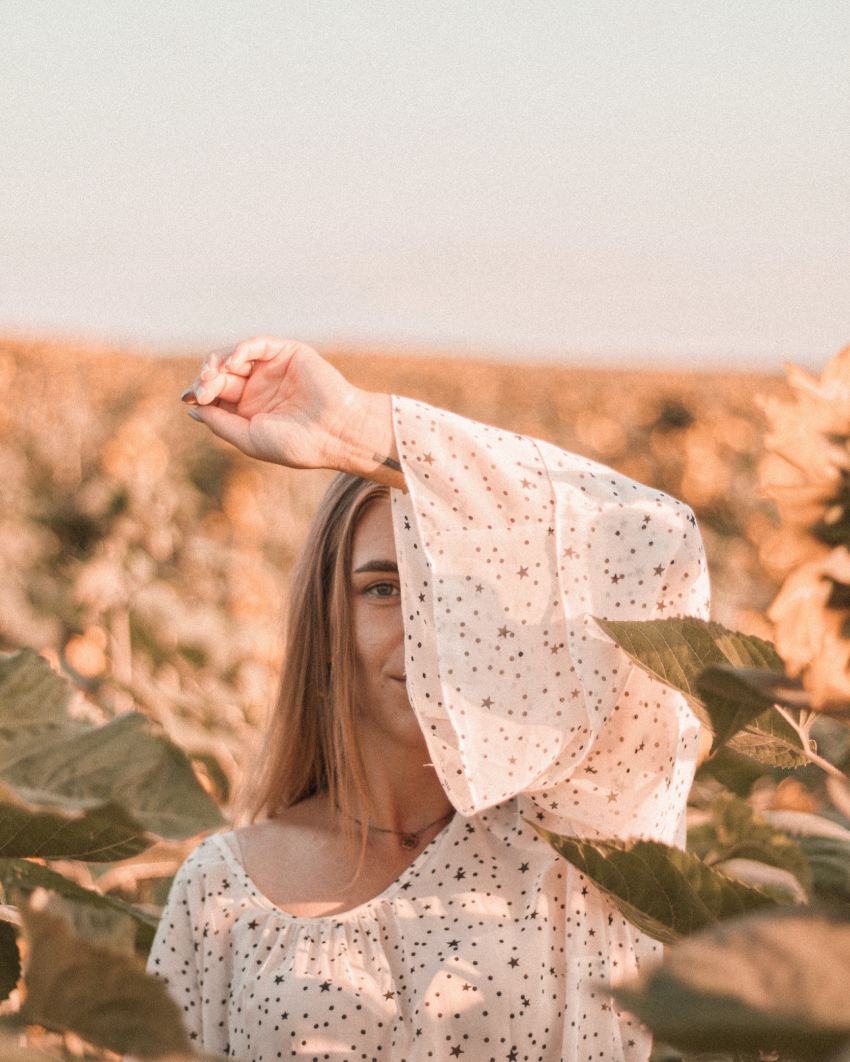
point(351, 912)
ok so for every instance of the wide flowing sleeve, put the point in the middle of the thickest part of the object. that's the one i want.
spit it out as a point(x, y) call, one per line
point(508, 547)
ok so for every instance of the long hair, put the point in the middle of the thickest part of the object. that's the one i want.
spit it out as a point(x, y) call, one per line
point(311, 741)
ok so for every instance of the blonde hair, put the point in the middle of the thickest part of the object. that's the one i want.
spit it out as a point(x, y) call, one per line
point(311, 741)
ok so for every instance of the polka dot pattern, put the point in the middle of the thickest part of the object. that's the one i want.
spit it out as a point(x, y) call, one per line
point(489, 946)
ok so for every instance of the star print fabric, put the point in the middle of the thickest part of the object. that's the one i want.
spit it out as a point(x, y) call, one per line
point(489, 946)
point(507, 548)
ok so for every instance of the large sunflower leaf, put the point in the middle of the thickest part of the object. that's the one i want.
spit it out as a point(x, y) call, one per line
point(35, 828)
point(123, 762)
point(69, 789)
point(679, 651)
point(664, 891)
point(25, 876)
point(773, 981)
point(100, 994)
point(31, 693)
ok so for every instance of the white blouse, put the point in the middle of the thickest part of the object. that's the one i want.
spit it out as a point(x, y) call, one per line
point(489, 947)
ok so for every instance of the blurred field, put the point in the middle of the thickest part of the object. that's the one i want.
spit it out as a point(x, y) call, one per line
point(152, 559)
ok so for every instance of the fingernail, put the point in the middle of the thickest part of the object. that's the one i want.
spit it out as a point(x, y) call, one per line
point(200, 392)
point(188, 396)
point(193, 413)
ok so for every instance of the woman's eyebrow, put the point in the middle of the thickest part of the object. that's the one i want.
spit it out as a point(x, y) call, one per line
point(378, 566)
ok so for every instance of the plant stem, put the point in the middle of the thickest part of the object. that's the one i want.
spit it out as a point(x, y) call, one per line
point(803, 735)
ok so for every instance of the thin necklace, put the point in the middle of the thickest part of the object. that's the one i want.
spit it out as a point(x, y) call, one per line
point(407, 838)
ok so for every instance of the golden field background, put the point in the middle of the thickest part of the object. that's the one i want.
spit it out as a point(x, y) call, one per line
point(151, 559)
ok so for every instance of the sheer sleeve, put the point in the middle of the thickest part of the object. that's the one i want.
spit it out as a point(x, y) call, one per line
point(507, 548)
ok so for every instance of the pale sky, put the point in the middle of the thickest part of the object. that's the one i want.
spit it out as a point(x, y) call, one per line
point(603, 182)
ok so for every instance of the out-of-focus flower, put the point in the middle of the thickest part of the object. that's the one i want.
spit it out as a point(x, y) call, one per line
point(807, 473)
point(135, 455)
point(241, 503)
point(792, 795)
point(86, 653)
point(603, 434)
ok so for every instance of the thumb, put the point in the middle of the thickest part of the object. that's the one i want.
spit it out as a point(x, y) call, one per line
point(228, 426)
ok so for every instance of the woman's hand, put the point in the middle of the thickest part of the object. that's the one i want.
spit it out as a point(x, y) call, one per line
point(278, 400)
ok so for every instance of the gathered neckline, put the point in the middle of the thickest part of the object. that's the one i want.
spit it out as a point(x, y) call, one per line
point(236, 865)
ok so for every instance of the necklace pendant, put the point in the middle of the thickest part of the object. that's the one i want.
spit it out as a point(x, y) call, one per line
point(408, 840)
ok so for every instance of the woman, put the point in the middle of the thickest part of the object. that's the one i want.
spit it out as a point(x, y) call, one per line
point(445, 686)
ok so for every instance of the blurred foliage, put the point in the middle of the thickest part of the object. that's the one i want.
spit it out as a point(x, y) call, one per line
point(76, 795)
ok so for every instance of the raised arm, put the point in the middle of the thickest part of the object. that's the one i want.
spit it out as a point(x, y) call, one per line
point(278, 400)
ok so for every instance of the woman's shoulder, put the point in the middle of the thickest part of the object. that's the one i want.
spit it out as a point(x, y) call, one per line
point(207, 858)
point(212, 850)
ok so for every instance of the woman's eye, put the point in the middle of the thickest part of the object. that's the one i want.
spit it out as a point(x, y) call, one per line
point(382, 589)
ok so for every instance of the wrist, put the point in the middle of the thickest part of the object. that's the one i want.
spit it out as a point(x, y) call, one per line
point(367, 439)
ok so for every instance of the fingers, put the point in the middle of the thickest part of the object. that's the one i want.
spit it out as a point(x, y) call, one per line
point(260, 348)
point(228, 426)
point(213, 363)
point(213, 382)
point(225, 370)
point(224, 385)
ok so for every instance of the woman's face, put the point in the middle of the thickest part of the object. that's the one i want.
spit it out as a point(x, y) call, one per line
point(378, 629)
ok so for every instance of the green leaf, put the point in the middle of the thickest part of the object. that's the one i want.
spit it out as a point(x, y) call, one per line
point(773, 980)
point(10, 959)
point(98, 925)
point(26, 876)
point(72, 790)
point(829, 860)
point(664, 891)
point(826, 846)
point(774, 688)
point(101, 995)
point(123, 762)
point(678, 651)
point(770, 740)
point(734, 770)
point(736, 832)
point(29, 828)
point(30, 689)
point(731, 702)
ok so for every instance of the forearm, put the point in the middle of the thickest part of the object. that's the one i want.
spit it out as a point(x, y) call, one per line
point(368, 446)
